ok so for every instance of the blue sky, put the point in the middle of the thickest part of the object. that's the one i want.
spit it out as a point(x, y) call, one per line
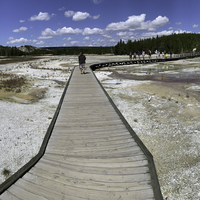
point(43, 23)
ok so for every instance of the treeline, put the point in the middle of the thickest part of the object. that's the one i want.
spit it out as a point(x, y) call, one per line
point(10, 51)
point(176, 43)
point(77, 50)
point(30, 50)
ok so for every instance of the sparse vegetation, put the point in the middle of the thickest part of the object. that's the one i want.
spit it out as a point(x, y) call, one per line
point(6, 173)
point(11, 82)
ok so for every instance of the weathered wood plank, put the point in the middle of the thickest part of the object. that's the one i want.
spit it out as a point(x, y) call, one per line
point(133, 164)
point(23, 193)
point(104, 177)
point(138, 167)
point(87, 193)
point(94, 161)
point(90, 155)
point(45, 192)
point(86, 184)
point(8, 196)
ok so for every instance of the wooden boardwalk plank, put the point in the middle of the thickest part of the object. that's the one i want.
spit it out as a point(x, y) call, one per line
point(82, 192)
point(90, 154)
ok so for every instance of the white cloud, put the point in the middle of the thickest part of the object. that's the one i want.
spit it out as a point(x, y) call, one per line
point(122, 34)
point(69, 39)
point(170, 28)
point(45, 37)
point(40, 42)
point(178, 23)
point(41, 16)
point(154, 34)
point(80, 16)
point(181, 31)
point(94, 31)
point(62, 31)
point(74, 42)
point(21, 21)
point(138, 23)
point(96, 17)
point(86, 38)
point(63, 8)
point(20, 29)
point(159, 21)
point(69, 13)
point(96, 1)
point(21, 40)
point(195, 26)
point(107, 36)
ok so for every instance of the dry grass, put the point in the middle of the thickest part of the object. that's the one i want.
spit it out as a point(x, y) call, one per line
point(11, 82)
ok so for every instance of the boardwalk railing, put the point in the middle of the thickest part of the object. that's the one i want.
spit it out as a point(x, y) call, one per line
point(11, 180)
point(151, 165)
point(146, 60)
point(154, 179)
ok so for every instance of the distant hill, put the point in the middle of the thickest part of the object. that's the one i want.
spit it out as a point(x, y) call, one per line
point(28, 48)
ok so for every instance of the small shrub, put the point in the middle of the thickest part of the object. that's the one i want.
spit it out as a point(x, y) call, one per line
point(6, 173)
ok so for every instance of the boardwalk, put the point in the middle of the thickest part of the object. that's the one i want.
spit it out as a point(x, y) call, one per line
point(91, 153)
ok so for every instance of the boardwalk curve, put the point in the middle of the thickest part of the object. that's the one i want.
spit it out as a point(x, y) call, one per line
point(90, 152)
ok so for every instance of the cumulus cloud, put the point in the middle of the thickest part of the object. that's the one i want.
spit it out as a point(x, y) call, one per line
point(21, 21)
point(181, 31)
point(107, 36)
point(79, 16)
point(86, 38)
point(41, 16)
point(40, 42)
point(170, 28)
point(154, 34)
point(62, 31)
point(20, 29)
point(74, 42)
point(159, 21)
point(195, 26)
point(178, 23)
point(94, 31)
point(69, 13)
point(137, 22)
point(125, 34)
point(21, 40)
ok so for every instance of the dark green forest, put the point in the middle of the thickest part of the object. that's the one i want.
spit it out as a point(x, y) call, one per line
point(30, 50)
point(176, 43)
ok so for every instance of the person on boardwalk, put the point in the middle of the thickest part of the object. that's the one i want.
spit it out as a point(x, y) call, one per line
point(156, 52)
point(139, 54)
point(82, 60)
point(130, 55)
point(134, 56)
point(143, 54)
point(170, 54)
point(149, 54)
